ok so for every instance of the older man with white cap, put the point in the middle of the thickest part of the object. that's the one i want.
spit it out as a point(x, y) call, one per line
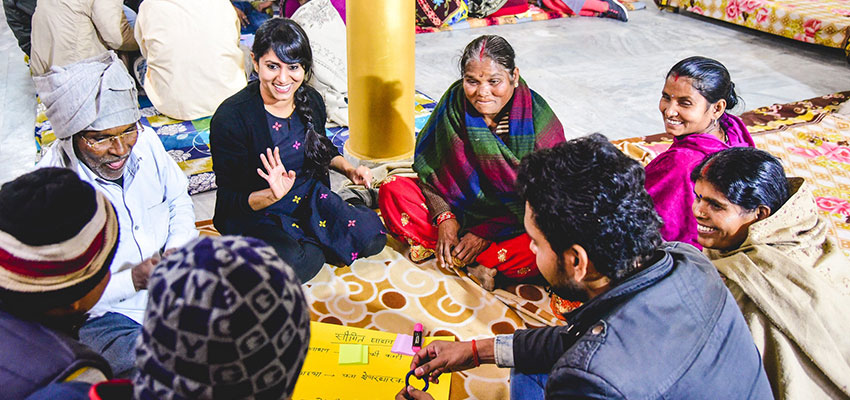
point(93, 108)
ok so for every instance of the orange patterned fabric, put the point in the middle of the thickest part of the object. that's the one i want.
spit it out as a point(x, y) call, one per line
point(387, 292)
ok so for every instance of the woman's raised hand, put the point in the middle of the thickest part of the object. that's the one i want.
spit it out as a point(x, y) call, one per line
point(280, 180)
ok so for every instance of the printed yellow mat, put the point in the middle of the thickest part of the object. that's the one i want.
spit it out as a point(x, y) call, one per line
point(823, 22)
point(389, 293)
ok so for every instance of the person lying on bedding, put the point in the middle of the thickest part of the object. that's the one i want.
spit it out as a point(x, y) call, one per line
point(696, 95)
point(54, 266)
point(464, 207)
point(763, 232)
point(93, 108)
point(498, 8)
point(657, 321)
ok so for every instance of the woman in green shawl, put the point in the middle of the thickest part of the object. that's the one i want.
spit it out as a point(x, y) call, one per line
point(463, 207)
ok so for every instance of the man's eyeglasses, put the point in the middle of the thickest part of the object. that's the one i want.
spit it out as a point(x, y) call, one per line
point(105, 144)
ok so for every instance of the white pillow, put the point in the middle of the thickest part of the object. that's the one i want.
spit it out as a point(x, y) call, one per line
point(326, 32)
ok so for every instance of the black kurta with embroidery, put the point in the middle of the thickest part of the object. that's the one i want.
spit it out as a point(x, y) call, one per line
point(240, 130)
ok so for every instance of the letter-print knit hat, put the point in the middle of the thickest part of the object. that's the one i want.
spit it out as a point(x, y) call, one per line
point(227, 319)
point(57, 239)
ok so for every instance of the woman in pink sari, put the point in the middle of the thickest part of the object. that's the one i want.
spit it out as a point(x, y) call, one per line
point(696, 95)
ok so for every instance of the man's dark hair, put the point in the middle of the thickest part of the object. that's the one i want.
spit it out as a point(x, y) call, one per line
point(587, 192)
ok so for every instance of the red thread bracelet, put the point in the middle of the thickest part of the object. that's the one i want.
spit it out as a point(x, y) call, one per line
point(475, 353)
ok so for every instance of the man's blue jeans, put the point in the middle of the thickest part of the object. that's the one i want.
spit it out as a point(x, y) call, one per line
point(114, 336)
point(528, 386)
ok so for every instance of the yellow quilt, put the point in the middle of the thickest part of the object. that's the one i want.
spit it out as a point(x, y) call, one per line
point(823, 22)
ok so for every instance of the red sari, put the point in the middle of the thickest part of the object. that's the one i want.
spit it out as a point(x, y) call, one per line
point(407, 218)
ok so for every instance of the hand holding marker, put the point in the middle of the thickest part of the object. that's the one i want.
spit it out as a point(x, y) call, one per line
point(417, 345)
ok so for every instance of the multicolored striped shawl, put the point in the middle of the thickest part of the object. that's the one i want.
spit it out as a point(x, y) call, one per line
point(475, 170)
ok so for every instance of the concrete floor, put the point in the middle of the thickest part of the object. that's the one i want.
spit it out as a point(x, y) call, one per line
point(17, 108)
point(599, 75)
point(602, 75)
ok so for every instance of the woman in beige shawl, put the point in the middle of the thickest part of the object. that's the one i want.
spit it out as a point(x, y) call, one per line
point(764, 235)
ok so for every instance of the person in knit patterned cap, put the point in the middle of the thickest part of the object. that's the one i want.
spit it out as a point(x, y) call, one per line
point(57, 239)
point(227, 319)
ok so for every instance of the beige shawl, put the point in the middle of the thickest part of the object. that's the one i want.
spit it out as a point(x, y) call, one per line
point(791, 282)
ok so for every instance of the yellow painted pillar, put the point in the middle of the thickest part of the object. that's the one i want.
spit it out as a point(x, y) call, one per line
point(380, 79)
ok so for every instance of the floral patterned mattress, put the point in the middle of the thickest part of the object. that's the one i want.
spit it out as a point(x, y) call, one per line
point(389, 293)
point(823, 22)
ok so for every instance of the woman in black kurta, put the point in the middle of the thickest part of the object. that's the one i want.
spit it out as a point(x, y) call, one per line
point(283, 196)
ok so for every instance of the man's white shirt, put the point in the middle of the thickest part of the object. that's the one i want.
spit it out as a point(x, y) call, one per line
point(155, 213)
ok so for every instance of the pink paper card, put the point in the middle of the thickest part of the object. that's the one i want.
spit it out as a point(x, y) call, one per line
point(403, 345)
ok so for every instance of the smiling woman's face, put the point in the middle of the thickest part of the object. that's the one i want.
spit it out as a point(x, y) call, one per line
point(278, 80)
point(488, 85)
point(721, 224)
point(684, 109)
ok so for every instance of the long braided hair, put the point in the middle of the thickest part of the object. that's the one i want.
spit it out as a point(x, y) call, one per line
point(290, 44)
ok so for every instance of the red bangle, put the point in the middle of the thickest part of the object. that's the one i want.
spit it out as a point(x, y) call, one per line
point(444, 216)
point(475, 353)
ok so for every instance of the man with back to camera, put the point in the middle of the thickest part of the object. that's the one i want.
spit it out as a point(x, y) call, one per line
point(657, 321)
point(53, 269)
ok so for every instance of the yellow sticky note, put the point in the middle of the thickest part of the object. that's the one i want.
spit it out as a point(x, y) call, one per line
point(365, 358)
point(350, 353)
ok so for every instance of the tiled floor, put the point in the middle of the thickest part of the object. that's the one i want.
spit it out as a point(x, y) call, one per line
point(599, 75)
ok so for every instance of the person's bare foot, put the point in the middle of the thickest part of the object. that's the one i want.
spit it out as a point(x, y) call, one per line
point(486, 277)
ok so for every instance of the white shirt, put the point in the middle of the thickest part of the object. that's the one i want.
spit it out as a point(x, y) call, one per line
point(67, 31)
point(154, 211)
point(193, 55)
